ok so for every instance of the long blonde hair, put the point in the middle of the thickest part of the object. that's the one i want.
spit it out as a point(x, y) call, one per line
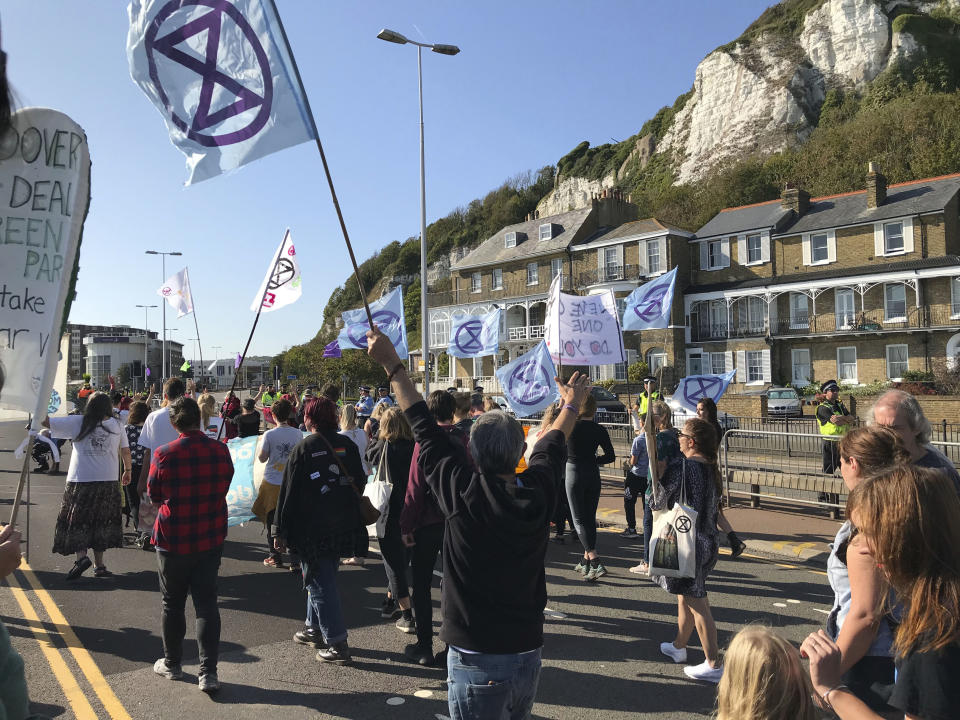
point(763, 679)
point(348, 417)
point(208, 408)
point(394, 425)
point(662, 411)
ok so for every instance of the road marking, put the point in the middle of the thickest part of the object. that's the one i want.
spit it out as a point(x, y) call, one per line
point(607, 512)
point(553, 614)
point(780, 605)
point(423, 693)
point(825, 612)
point(76, 698)
point(395, 701)
point(80, 654)
point(793, 602)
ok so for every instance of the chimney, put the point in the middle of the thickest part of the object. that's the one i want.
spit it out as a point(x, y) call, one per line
point(795, 199)
point(876, 187)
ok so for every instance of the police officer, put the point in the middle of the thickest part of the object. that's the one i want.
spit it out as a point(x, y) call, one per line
point(833, 420)
point(383, 396)
point(649, 396)
point(364, 406)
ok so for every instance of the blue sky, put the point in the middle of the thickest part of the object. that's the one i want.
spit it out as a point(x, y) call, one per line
point(532, 80)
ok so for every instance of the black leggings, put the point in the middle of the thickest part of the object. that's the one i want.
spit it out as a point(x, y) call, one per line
point(396, 557)
point(429, 543)
point(133, 499)
point(583, 492)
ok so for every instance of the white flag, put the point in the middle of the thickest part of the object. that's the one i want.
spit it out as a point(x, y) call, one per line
point(583, 330)
point(176, 290)
point(281, 284)
point(212, 366)
point(222, 76)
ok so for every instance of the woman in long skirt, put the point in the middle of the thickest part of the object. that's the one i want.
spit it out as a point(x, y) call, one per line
point(90, 512)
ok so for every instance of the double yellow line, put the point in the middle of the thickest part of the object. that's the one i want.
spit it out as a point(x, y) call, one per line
point(68, 681)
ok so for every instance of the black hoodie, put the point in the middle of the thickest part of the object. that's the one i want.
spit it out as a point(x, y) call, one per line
point(494, 589)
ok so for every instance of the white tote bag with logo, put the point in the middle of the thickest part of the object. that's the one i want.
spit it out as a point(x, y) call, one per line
point(378, 489)
point(673, 548)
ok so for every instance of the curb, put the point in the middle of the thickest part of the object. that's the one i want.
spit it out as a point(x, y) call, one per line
point(802, 552)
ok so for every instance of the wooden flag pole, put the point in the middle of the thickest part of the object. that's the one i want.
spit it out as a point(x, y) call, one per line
point(196, 325)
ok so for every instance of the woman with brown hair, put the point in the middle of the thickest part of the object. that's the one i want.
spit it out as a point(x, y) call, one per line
point(393, 448)
point(864, 635)
point(697, 477)
point(583, 484)
point(909, 518)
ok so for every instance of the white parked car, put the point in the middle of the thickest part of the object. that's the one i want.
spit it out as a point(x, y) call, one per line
point(783, 403)
point(682, 414)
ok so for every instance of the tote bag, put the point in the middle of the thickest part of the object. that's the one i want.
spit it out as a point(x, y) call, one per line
point(673, 550)
point(378, 490)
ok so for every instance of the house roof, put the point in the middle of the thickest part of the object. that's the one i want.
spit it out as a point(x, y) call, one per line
point(833, 211)
point(492, 250)
point(731, 221)
point(920, 196)
point(647, 226)
point(923, 264)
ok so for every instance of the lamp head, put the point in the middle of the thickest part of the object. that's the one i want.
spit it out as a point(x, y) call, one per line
point(152, 252)
point(391, 36)
point(446, 49)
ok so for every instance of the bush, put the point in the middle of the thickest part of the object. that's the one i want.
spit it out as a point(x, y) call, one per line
point(918, 376)
point(637, 372)
point(606, 384)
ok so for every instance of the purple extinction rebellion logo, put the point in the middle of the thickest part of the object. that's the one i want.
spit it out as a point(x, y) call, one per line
point(211, 23)
point(650, 306)
point(700, 387)
point(388, 323)
point(467, 338)
point(529, 383)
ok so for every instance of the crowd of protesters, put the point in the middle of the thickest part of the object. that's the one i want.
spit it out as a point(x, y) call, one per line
point(469, 487)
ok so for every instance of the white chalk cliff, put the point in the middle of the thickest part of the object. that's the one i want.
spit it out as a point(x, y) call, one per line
point(764, 95)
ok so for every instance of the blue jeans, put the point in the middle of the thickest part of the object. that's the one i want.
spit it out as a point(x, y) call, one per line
point(491, 687)
point(323, 600)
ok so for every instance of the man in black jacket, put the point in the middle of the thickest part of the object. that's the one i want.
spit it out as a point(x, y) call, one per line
point(495, 541)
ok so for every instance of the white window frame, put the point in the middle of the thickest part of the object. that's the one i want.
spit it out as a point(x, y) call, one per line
point(905, 363)
point(439, 329)
point(612, 269)
point(807, 248)
point(887, 315)
point(714, 357)
point(888, 234)
point(533, 273)
point(754, 367)
point(476, 282)
point(653, 257)
point(715, 262)
point(695, 359)
point(954, 298)
point(795, 354)
point(796, 322)
point(496, 279)
point(656, 359)
point(813, 249)
point(849, 317)
point(759, 249)
point(548, 235)
point(880, 236)
point(556, 267)
point(510, 240)
point(855, 379)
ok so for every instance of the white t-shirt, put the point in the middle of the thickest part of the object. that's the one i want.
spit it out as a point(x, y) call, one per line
point(157, 430)
point(359, 438)
point(213, 428)
point(279, 442)
point(96, 457)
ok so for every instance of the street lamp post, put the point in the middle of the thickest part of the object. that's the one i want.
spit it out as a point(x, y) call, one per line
point(395, 37)
point(171, 331)
point(146, 341)
point(163, 347)
point(216, 358)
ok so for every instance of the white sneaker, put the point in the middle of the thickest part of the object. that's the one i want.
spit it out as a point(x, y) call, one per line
point(678, 655)
point(704, 672)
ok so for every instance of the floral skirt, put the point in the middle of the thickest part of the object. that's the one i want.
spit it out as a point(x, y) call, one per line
point(89, 518)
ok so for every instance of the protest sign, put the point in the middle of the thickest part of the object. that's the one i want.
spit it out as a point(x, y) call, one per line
point(243, 490)
point(648, 307)
point(387, 315)
point(583, 330)
point(222, 76)
point(44, 197)
point(475, 335)
point(529, 383)
point(693, 388)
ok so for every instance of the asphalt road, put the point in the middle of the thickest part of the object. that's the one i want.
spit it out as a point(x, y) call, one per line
point(600, 652)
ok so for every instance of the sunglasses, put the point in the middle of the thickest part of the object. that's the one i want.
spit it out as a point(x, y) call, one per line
point(683, 434)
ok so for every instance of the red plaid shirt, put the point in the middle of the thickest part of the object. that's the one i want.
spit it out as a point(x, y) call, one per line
point(189, 479)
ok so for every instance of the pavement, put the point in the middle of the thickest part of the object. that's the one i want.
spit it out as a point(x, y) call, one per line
point(89, 645)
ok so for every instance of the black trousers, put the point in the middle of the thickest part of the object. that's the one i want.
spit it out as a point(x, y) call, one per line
point(396, 558)
point(634, 486)
point(133, 499)
point(195, 573)
point(429, 543)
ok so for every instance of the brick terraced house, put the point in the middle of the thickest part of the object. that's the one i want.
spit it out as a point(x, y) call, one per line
point(860, 287)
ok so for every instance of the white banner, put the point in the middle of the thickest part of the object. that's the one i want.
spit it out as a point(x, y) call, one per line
point(176, 291)
point(44, 197)
point(282, 281)
point(583, 330)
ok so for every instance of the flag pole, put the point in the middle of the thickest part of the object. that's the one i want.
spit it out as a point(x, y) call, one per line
point(326, 168)
point(623, 354)
point(196, 325)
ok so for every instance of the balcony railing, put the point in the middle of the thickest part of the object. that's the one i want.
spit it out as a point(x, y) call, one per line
point(510, 288)
point(609, 273)
point(532, 332)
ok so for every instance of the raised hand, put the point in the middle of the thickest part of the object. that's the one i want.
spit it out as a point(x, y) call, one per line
point(574, 391)
point(381, 349)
